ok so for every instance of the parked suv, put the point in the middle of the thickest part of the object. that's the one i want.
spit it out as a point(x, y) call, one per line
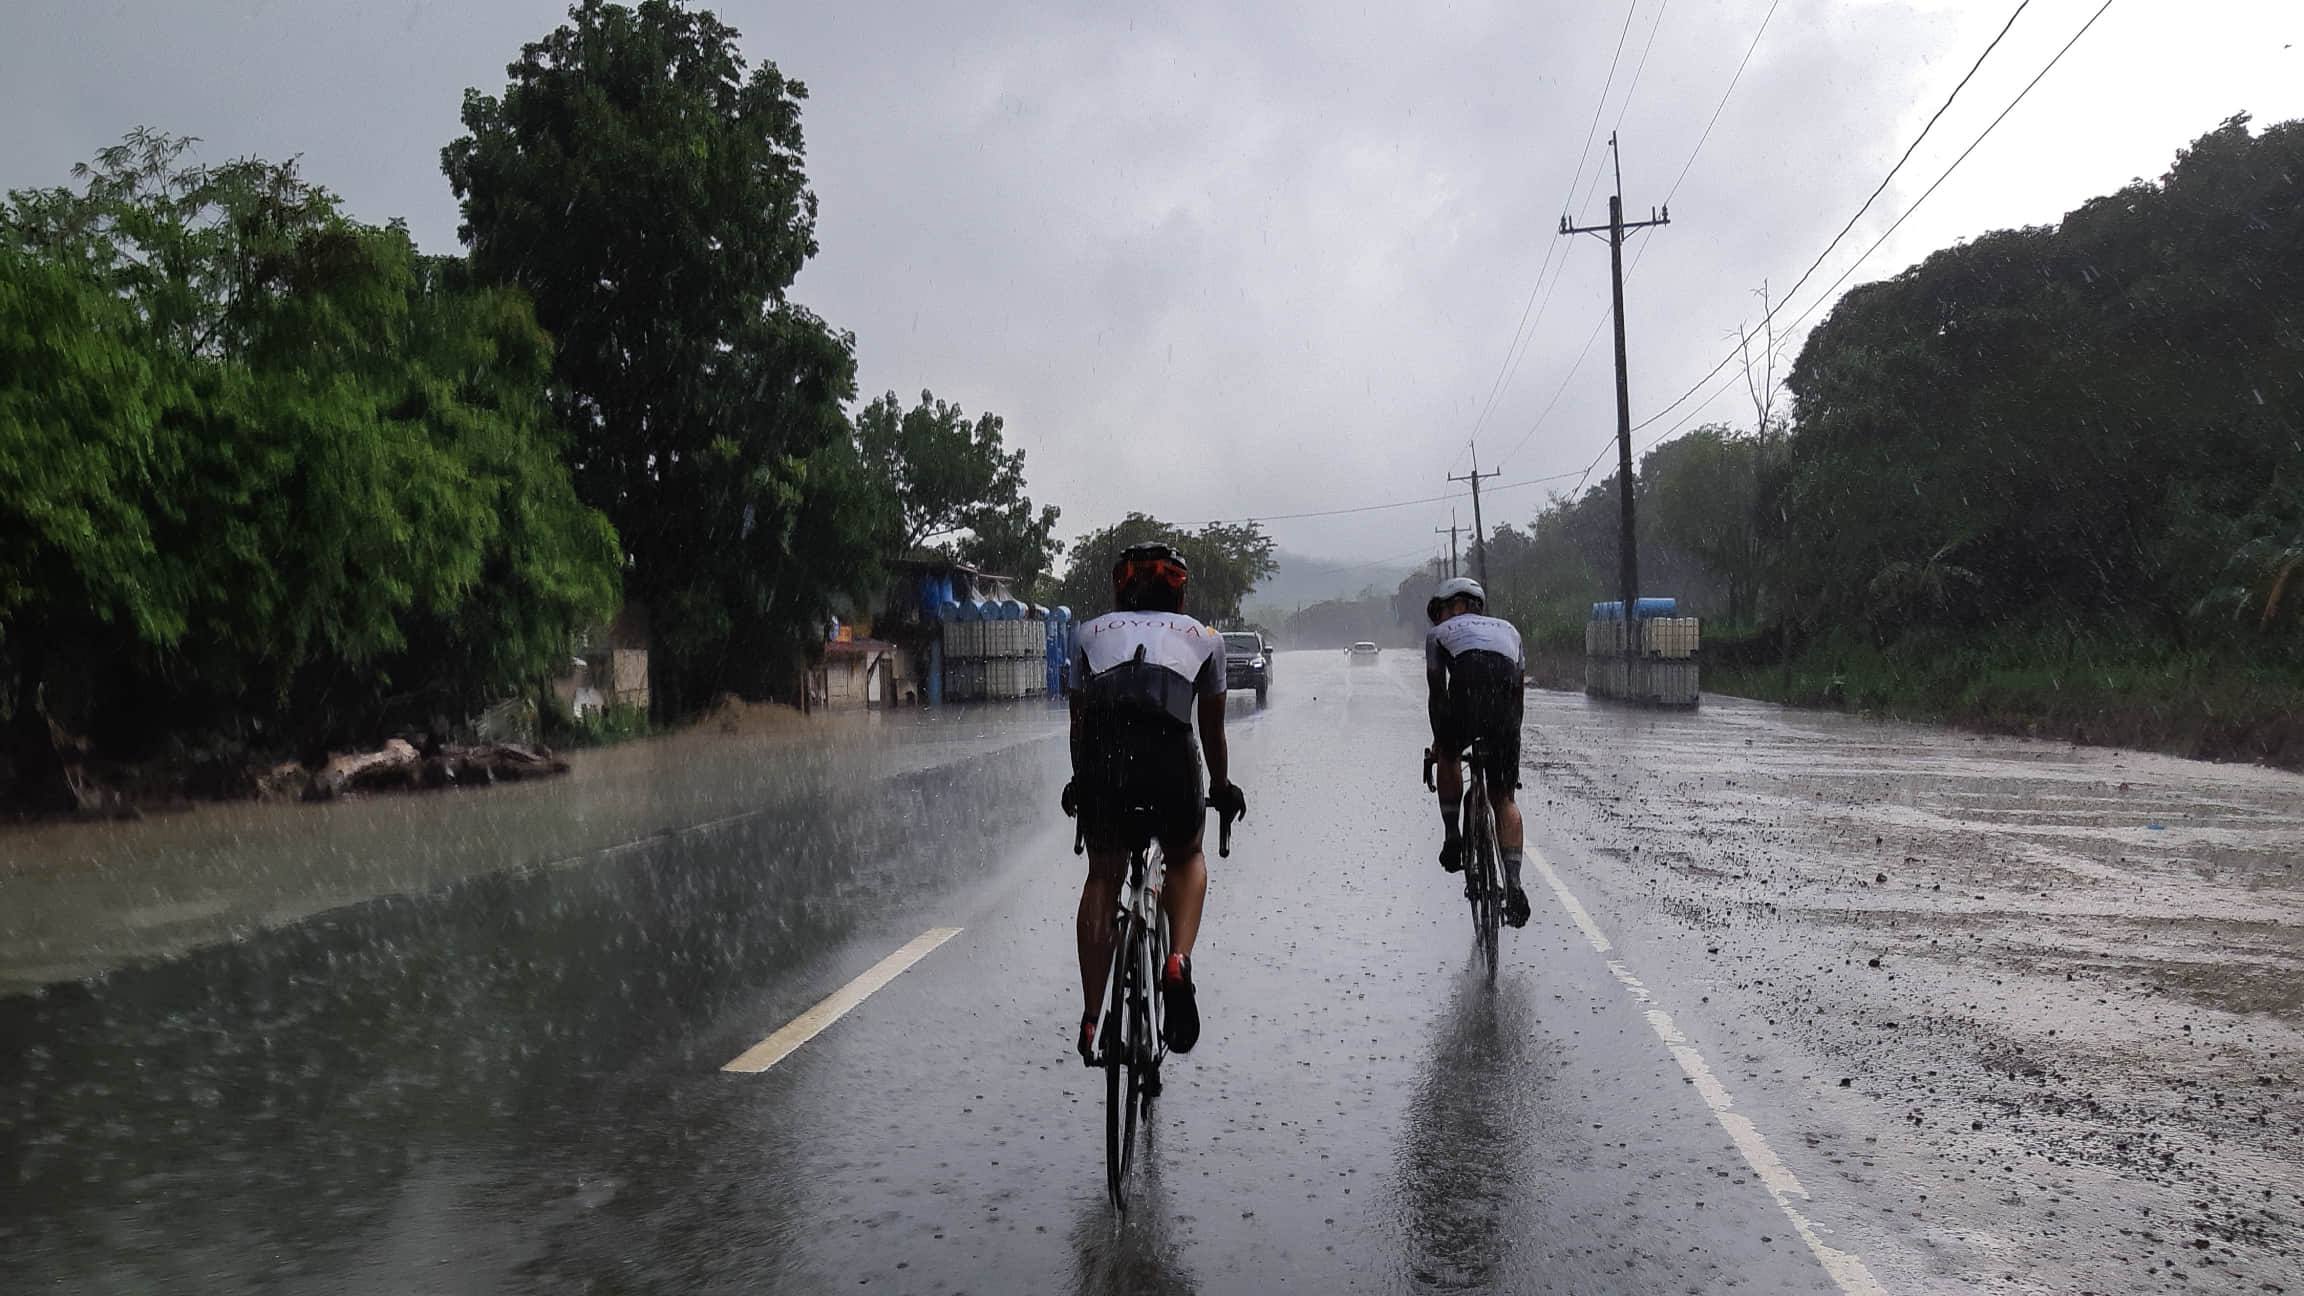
point(1247, 662)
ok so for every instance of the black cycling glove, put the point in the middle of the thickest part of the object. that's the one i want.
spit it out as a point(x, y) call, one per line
point(1230, 802)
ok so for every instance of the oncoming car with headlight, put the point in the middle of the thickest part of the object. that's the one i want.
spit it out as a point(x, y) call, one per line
point(1247, 662)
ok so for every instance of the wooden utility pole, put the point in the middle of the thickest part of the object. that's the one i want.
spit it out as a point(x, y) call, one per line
point(1479, 528)
point(1451, 529)
point(1628, 565)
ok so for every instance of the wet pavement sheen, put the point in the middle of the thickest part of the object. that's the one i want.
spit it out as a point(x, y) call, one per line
point(499, 1071)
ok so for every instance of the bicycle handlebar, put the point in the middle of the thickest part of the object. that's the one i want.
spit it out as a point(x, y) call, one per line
point(1224, 817)
point(1473, 752)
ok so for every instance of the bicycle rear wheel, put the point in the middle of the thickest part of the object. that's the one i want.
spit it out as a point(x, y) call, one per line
point(1154, 1033)
point(1484, 874)
point(1121, 1044)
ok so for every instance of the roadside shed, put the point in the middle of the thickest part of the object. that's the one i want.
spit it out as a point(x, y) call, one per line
point(856, 673)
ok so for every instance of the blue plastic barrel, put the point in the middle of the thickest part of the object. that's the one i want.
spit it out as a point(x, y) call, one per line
point(1613, 609)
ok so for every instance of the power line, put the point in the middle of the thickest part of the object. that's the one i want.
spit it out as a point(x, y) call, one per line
point(1593, 132)
point(1569, 377)
point(1722, 105)
point(1372, 508)
point(1877, 190)
point(1630, 90)
point(1980, 138)
point(1826, 296)
point(1515, 351)
point(1380, 562)
point(1337, 512)
point(1637, 257)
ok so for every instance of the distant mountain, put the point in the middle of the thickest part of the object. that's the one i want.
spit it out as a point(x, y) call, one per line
point(1302, 579)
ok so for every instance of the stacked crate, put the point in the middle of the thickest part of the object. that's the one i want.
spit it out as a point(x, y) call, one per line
point(1662, 673)
point(994, 660)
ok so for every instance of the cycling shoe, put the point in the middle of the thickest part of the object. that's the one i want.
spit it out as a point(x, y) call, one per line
point(1452, 854)
point(1181, 1024)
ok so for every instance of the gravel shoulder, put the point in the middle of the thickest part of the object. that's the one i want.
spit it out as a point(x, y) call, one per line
point(2039, 1008)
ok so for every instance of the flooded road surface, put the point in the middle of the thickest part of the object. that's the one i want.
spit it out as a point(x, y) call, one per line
point(1808, 1005)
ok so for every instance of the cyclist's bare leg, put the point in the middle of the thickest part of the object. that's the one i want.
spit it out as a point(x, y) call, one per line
point(1509, 840)
point(1450, 782)
point(1183, 892)
point(1507, 807)
point(1099, 900)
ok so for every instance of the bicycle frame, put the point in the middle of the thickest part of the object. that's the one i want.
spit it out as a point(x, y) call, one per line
point(1483, 873)
point(1130, 1043)
point(1138, 911)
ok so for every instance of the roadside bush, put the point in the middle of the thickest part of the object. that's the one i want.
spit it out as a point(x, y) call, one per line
point(269, 474)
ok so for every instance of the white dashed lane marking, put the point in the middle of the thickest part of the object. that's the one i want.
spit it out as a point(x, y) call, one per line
point(1844, 1267)
point(812, 1023)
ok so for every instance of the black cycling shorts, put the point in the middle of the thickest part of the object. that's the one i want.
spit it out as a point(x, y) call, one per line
point(1484, 705)
point(1137, 783)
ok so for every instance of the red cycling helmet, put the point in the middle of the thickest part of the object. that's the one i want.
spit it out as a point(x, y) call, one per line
point(1150, 561)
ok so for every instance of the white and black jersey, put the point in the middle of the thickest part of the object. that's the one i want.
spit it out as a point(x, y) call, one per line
point(1153, 663)
point(1473, 666)
point(1471, 633)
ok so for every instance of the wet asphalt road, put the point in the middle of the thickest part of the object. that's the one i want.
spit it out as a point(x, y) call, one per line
point(507, 1079)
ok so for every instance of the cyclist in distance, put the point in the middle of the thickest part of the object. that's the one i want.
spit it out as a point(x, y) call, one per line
point(1141, 673)
point(1474, 672)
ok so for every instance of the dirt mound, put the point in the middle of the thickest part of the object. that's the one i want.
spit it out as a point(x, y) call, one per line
point(733, 715)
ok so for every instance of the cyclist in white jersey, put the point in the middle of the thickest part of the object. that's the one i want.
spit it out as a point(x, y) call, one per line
point(1474, 673)
point(1141, 675)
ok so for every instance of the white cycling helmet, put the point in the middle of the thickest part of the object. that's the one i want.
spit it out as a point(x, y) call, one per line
point(1461, 587)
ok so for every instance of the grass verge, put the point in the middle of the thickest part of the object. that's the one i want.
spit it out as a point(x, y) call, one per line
point(2205, 706)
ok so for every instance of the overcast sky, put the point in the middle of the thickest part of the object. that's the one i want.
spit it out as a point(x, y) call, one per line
point(1221, 259)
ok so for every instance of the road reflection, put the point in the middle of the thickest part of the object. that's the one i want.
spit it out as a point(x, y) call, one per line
point(1463, 1175)
point(305, 1099)
point(1136, 1254)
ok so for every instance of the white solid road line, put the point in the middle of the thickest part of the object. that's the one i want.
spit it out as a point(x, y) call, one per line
point(811, 1023)
point(1844, 1268)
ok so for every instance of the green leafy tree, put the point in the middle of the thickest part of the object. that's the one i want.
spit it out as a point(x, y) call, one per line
point(646, 190)
point(1703, 490)
point(2057, 426)
point(957, 484)
point(1227, 559)
point(1013, 541)
point(330, 490)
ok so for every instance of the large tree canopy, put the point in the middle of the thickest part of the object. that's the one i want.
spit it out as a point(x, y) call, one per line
point(1227, 560)
point(2081, 424)
point(2091, 430)
point(956, 483)
point(646, 191)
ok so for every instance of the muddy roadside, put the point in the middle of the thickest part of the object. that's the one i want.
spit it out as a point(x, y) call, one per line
point(78, 899)
point(2045, 1004)
point(84, 787)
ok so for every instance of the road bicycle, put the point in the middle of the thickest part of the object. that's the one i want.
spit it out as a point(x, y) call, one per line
point(1129, 1045)
point(1483, 869)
